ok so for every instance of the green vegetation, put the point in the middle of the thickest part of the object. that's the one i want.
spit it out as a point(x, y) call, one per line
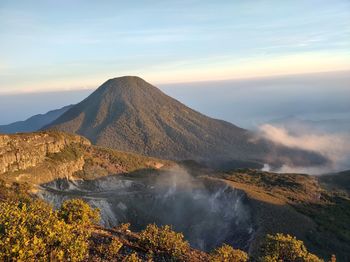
point(77, 211)
point(226, 253)
point(33, 231)
point(164, 239)
point(332, 217)
point(282, 247)
point(30, 230)
point(127, 161)
point(291, 188)
point(301, 195)
point(114, 246)
point(109, 250)
point(69, 153)
point(132, 258)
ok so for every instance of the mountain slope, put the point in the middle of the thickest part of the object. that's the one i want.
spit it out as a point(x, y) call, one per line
point(33, 123)
point(129, 114)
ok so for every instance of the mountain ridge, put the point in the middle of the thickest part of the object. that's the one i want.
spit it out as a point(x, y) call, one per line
point(33, 123)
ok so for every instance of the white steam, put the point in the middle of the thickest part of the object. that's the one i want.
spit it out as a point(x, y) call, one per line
point(334, 146)
point(207, 211)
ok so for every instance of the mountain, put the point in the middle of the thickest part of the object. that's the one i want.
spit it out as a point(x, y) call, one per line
point(129, 114)
point(33, 123)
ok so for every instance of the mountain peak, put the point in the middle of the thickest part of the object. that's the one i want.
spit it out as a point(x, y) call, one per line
point(125, 78)
point(123, 85)
point(127, 113)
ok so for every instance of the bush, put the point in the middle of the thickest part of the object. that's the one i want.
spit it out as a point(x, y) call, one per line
point(33, 232)
point(108, 250)
point(124, 227)
point(226, 253)
point(114, 247)
point(77, 211)
point(282, 247)
point(132, 258)
point(164, 239)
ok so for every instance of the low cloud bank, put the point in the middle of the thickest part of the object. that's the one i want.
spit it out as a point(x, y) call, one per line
point(333, 146)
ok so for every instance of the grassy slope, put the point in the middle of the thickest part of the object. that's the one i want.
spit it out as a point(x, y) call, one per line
point(297, 204)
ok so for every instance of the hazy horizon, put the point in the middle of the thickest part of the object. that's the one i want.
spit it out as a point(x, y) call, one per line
point(243, 102)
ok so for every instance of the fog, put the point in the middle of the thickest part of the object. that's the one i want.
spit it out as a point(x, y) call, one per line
point(335, 146)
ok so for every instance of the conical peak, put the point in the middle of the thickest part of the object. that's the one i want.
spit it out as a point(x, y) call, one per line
point(125, 84)
point(126, 81)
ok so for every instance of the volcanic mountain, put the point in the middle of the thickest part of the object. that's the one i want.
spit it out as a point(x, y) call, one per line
point(129, 114)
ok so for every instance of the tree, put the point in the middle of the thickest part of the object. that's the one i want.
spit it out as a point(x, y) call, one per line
point(78, 211)
point(285, 248)
point(226, 253)
point(32, 231)
point(164, 239)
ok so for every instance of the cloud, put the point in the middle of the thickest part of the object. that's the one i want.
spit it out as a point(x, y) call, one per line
point(335, 147)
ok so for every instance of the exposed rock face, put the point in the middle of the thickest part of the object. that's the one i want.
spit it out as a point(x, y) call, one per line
point(19, 152)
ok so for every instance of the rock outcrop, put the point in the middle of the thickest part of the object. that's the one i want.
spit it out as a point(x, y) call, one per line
point(22, 151)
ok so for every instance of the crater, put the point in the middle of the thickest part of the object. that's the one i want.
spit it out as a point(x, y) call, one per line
point(207, 211)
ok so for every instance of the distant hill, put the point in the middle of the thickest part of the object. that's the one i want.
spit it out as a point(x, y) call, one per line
point(338, 181)
point(129, 114)
point(33, 123)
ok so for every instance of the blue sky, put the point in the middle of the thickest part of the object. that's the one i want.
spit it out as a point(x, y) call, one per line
point(59, 45)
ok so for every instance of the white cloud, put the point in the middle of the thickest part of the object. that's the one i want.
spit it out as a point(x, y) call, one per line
point(336, 147)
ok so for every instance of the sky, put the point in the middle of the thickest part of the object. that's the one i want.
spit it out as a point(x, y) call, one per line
point(63, 45)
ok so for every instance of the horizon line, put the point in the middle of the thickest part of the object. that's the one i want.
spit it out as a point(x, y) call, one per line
point(155, 83)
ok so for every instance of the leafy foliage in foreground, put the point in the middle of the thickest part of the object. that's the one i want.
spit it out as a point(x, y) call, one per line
point(226, 253)
point(34, 232)
point(78, 211)
point(164, 239)
point(282, 247)
point(30, 230)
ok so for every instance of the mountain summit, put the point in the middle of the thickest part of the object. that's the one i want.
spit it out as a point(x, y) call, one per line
point(129, 114)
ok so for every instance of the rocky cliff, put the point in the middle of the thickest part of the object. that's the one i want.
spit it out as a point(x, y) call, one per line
point(22, 151)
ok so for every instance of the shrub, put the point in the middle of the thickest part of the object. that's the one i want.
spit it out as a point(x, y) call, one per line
point(282, 247)
point(32, 231)
point(132, 258)
point(124, 227)
point(164, 239)
point(108, 250)
point(226, 253)
point(114, 246)
point(78, 211)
